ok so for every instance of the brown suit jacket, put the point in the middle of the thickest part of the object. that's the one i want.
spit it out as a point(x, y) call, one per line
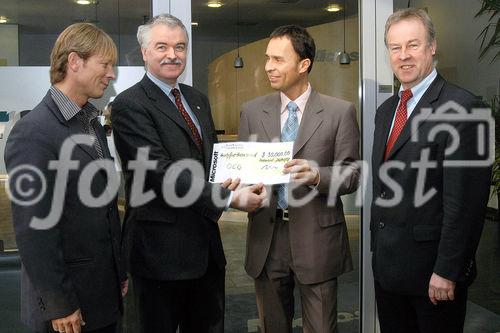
point(329, 136)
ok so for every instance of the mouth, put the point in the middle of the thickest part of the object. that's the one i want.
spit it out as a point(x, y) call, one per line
point(406, 67)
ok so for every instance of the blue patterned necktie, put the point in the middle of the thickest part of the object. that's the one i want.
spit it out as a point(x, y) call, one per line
point(289, 133)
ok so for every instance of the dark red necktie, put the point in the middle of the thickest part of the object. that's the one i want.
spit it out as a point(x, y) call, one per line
point(399, 122)
point(187, 118)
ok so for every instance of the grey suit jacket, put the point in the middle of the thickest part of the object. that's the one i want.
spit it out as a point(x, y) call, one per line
point(329, 136)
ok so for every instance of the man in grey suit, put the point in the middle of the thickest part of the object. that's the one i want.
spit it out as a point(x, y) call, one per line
point(304, 244)
point(72, 278)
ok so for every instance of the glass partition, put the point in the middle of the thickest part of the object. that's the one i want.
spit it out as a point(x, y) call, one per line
point(219, 35)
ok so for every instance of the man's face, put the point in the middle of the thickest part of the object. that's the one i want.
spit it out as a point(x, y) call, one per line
point(95, 74)
point(283, 66)
point(166, 53)
point(410, 53)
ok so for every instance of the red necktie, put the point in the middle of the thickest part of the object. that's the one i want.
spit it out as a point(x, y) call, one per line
point(399, 122)
point(187, 118)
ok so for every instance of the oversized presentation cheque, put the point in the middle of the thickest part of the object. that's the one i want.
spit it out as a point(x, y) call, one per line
point(252, 162)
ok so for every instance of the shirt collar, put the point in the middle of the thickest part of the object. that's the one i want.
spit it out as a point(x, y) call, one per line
point(301, 101)
point(418, 90)
point(68, 108)
point(166, 88)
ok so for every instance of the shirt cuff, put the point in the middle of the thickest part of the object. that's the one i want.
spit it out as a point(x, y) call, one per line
point(228, 203)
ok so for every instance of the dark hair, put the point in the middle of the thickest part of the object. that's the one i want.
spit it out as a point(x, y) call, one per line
point(302, 42)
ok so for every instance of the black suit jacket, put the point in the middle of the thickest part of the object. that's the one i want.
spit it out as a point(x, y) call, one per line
point(411, 241)
point(166, 242)
point(76, 263)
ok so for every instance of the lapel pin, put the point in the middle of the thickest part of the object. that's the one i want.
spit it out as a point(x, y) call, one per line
point(197, 107)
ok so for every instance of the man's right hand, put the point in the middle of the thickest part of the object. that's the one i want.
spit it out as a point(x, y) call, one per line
point(249, 198)
point(69, 324)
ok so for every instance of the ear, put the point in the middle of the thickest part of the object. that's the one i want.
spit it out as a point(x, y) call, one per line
point(304, 65)
point(433, 47)
point(74, 61)
point(143, 51)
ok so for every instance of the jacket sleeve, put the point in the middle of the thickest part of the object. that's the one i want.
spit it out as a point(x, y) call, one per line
point(40, 250)
point(465, 196)
point(344, 174)
point(133, 128)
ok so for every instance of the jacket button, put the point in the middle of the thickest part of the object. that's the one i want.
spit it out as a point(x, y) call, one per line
point(382, 194)
point(381, 225)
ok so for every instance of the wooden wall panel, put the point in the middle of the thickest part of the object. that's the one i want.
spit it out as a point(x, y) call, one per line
point(229, 88)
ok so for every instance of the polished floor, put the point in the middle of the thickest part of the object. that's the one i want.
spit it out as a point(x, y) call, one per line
point(241, 312)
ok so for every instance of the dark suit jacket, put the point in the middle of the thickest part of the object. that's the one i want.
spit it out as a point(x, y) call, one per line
point(409, 241)
point(167, 242)
point(74, 264)
point(328, 135)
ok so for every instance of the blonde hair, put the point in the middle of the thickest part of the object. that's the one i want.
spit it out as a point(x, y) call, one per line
point(412, 13)
point(84, 39)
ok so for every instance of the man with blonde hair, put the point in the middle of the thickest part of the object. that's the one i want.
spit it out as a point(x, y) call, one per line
point(71, 273)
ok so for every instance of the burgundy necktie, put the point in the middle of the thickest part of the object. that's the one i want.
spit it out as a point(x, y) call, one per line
point(187, 118)
point(399, 122)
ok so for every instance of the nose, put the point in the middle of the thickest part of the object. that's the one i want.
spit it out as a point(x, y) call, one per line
point(170, 53)
point(111, 74)
point(403, 54)
point(269, 66)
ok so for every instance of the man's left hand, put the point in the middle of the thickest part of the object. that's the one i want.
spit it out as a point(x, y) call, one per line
point(124, 287)
point(231, 184)
point(302, 172)
point(441, 289)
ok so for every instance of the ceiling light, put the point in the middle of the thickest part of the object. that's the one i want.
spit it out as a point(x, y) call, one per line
point(214, 4)
point(345, 59)
point(83, 2)
point(333, 8)
point(3, 19)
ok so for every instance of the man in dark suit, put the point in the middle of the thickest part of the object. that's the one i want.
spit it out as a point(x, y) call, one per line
point(301, 243)
point(176, 257)
point(71, 276)
point(425, 223)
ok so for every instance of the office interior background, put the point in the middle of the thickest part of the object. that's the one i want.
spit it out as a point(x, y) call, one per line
point(28, 29)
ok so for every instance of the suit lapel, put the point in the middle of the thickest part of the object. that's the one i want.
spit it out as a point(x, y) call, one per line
point(426, 101)
point(271, 117)
point(203, 117)
point(164, 104)
point(73, 125)
point(387, 114)
point(311, 119)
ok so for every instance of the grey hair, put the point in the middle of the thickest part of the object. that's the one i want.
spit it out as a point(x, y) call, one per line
point(410, 13)
point(166, 19)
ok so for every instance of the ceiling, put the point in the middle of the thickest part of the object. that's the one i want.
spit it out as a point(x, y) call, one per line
point(257, 17)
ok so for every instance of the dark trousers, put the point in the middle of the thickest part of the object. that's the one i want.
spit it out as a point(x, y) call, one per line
point(195, 306)
point(416, 314)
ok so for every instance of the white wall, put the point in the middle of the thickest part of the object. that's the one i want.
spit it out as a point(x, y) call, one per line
point(28, 85)
point(9, 50)
point(458, 48)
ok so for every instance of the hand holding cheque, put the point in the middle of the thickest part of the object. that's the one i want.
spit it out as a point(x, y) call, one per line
point(259, 162)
